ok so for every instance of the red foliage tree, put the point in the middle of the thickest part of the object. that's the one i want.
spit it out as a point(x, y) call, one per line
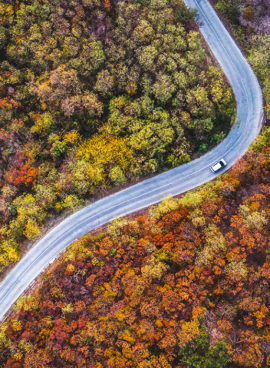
point(22, 171)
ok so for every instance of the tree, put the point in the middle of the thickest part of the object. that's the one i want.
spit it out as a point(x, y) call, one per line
point(22, 172)
point(143, 33)
point(230, 9)
point(184, 15)
point(153, 269)
point(164, 88)
point(117, 175)
point(147, 56)
point(248, 13)
point(105, 83)
point(199, 353)
point(43, 123)
point(58, 149)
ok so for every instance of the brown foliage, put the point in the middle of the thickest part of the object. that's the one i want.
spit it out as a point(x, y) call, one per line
point(133, 296)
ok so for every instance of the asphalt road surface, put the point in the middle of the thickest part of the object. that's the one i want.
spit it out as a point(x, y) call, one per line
point(250, 113)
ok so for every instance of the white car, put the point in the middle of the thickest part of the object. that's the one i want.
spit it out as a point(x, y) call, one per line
point(219, 165)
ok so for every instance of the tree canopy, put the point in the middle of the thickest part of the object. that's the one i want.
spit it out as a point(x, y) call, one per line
point(95, 94)
point(185, 285)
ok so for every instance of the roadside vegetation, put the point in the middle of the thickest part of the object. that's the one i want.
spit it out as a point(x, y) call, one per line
point(249, 21)
point(96, 94)
point(186, 285)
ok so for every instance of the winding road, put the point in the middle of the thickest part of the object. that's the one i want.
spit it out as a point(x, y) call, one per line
point(249, 99)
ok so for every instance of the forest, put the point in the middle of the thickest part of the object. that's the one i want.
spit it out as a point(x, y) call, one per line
point(94, 95)
point(185, 285)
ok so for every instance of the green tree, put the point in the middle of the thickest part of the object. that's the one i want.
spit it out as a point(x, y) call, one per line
point(58, 149)
point(200, 354)
point(184, 15)
point(164, 88)
point(147, 56)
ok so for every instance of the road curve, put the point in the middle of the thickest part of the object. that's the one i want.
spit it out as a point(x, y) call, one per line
point(249, 99)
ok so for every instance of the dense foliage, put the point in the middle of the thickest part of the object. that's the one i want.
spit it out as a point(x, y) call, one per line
point(250, 23)
point(95, 94)
point(185, 286)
